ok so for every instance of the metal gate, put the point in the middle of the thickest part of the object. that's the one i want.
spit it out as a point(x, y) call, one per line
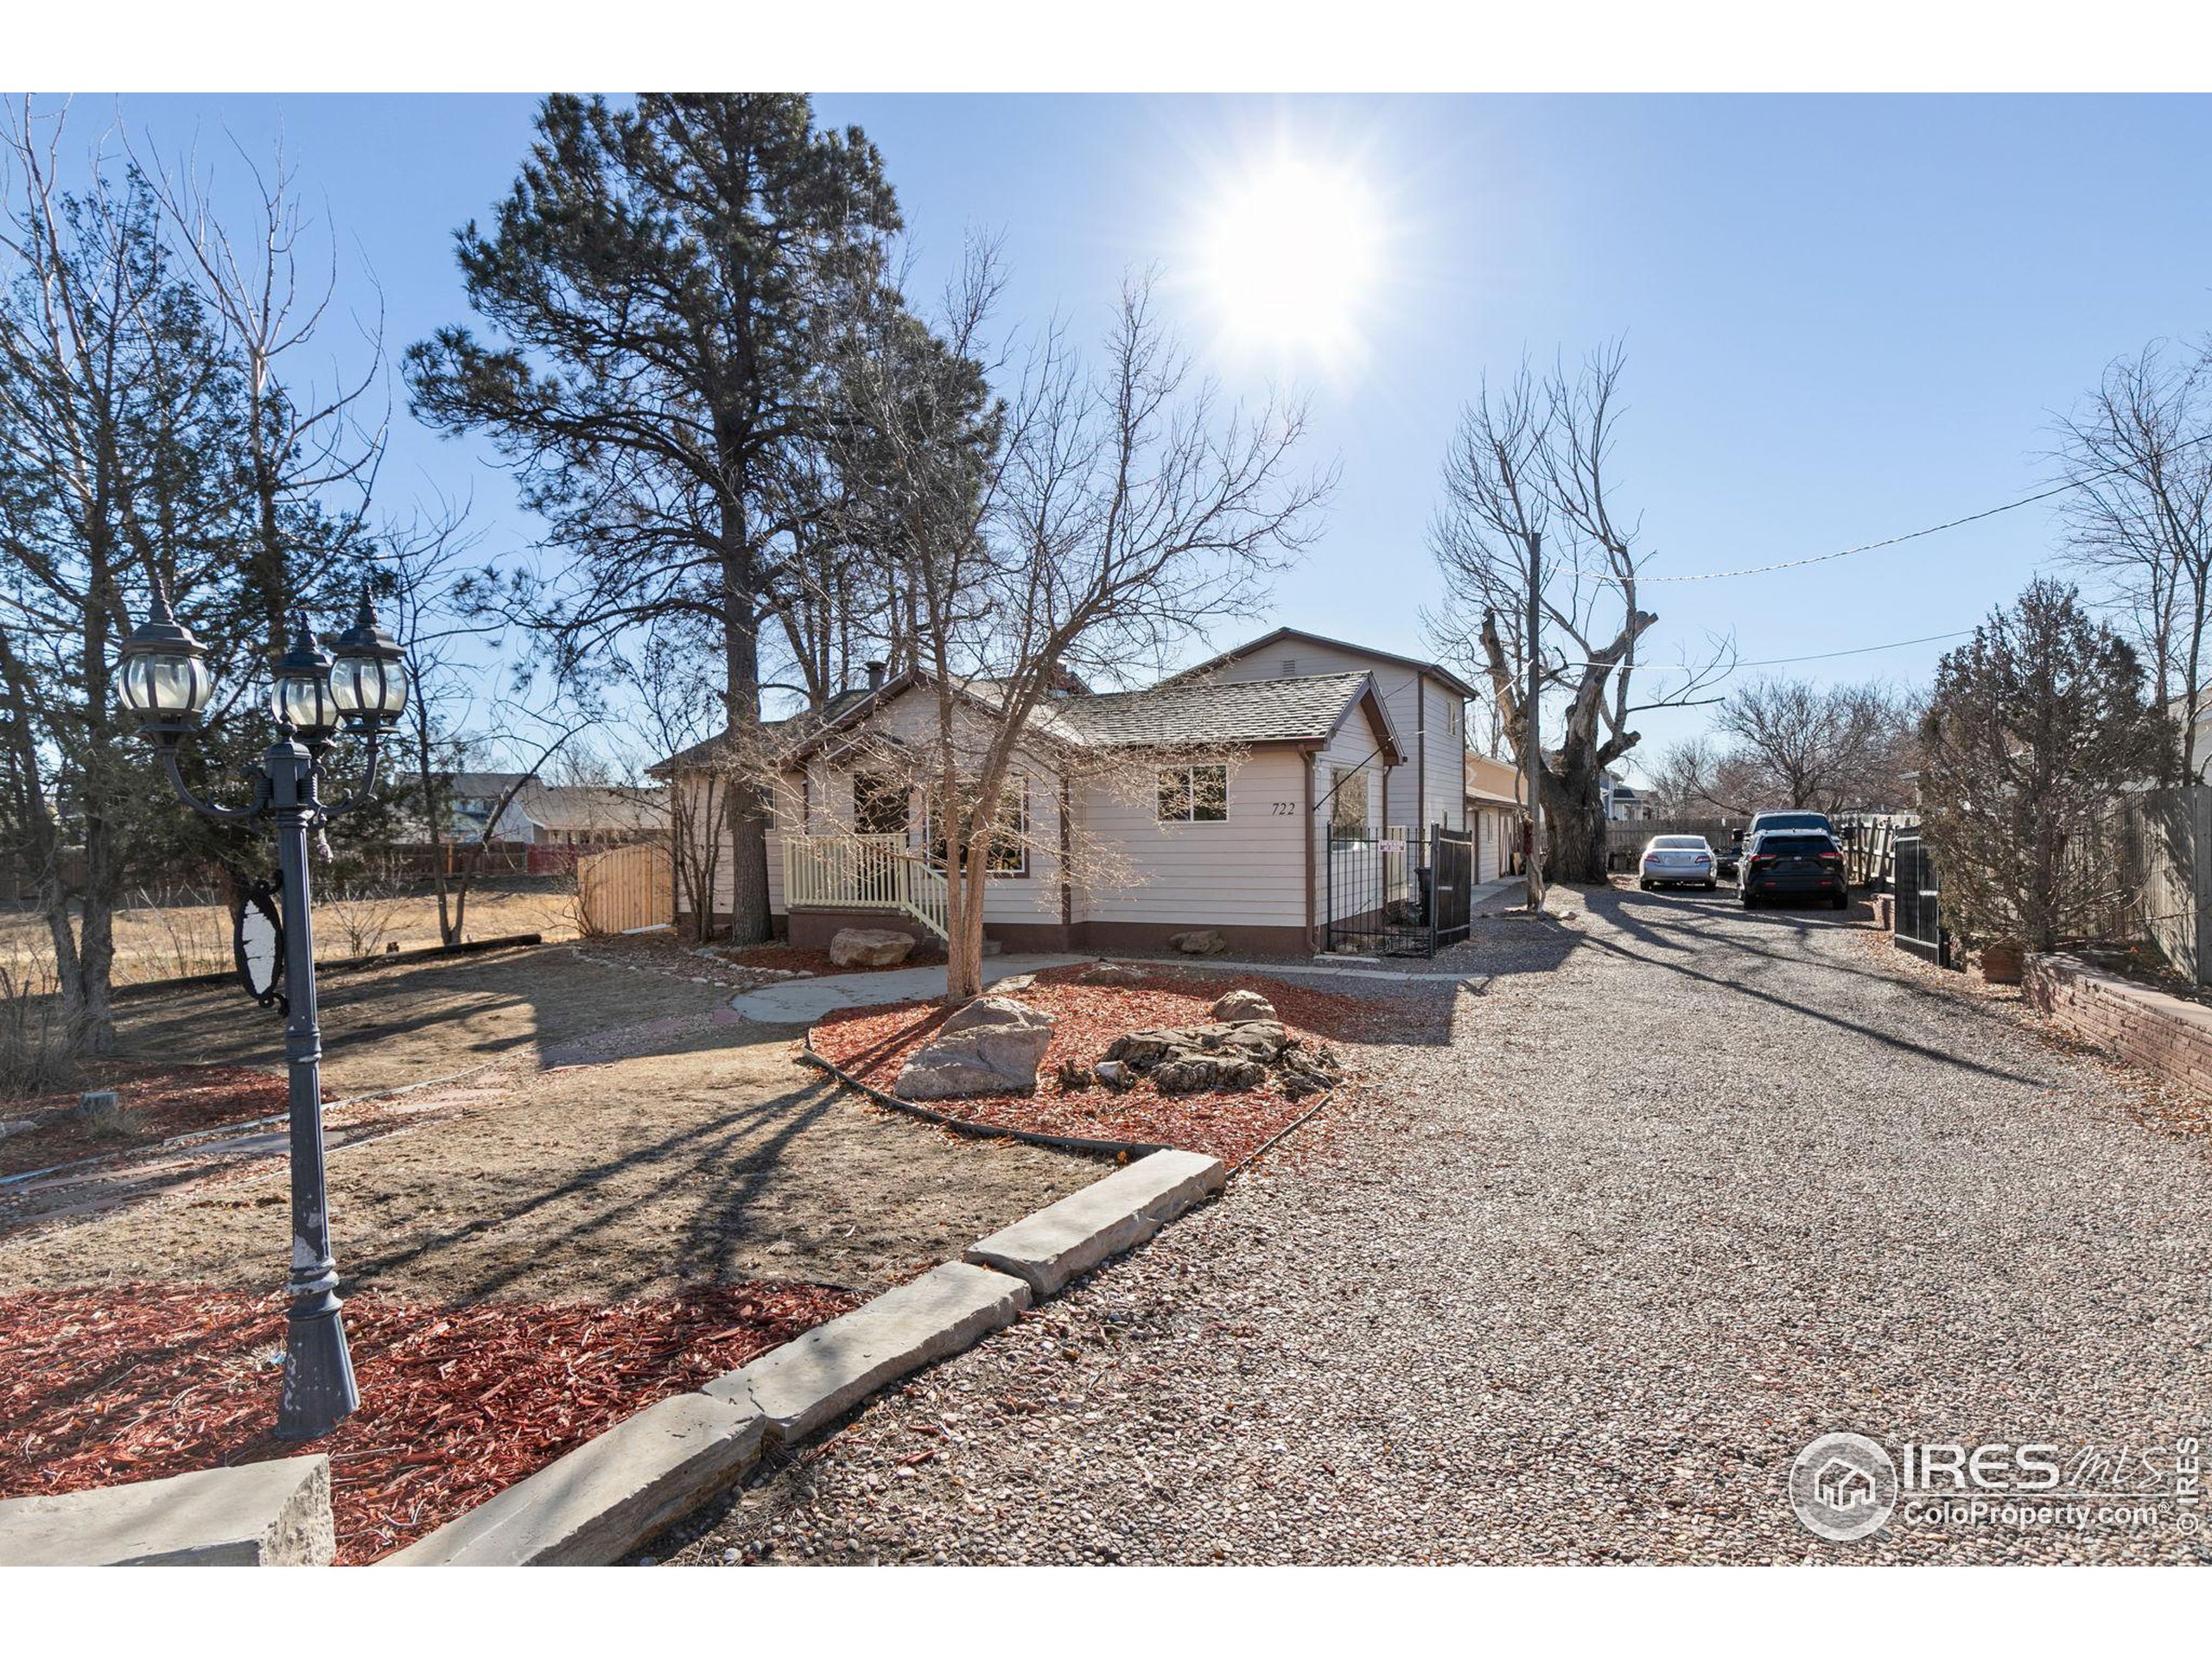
point(1379, 902)
point(1451, 885)
point(1919, 926)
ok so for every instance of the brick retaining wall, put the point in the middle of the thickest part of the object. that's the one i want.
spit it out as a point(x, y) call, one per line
point(2167, 1035)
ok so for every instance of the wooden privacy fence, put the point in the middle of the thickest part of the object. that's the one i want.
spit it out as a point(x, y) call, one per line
point(626, 887)
point(2145, 874)
point(1624, 838)
point(1868, 842)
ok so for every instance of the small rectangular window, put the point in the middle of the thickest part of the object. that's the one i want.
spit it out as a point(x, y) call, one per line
point(1348, 805)
point(1194, 794)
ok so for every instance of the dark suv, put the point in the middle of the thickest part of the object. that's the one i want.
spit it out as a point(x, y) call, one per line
point(1793, 863)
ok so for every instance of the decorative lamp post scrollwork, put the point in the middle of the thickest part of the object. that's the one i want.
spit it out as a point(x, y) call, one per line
point(361, 690)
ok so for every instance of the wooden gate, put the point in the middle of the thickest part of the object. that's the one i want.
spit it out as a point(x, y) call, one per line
point(625, 889)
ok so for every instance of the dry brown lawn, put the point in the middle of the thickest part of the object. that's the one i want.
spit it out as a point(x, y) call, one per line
point(165, 942)
point(604, 1134)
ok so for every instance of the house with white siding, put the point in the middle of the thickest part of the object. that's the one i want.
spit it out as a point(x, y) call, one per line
point(1212, 800)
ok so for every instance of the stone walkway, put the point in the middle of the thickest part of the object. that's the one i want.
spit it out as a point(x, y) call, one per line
point(802, 1002)
point(1683, 1189)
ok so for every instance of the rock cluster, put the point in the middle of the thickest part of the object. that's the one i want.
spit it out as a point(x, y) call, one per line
point(1241, 1048)
point(1200, 942)
point(992, 1046)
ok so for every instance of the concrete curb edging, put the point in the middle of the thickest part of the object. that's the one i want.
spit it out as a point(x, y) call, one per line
point(274, 1514)
point(1063, 1240)
point(611, 1493)
point(603, 1499)
point(828, 1370)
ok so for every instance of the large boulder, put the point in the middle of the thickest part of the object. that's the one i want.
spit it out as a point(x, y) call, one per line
point(1239, 1005)
point(1200, 942)
point(870, 947)
point(992, 1046)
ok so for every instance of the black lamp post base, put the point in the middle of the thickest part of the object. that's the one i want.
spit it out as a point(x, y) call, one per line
point(319, 1391)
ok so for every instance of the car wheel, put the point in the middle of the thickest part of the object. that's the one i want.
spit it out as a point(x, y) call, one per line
point(1749, 901)
point(1841, 901)
point(1646, 886)
point(1710, 886)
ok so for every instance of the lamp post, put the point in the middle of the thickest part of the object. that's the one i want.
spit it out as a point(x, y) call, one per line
point(166, 683)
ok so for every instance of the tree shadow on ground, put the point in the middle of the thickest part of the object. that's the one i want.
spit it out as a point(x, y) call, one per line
point(1619, 908)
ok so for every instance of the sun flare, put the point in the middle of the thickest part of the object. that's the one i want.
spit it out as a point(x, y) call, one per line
point(1290, 256)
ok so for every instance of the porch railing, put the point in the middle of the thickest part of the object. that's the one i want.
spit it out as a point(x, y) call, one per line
point(863, 872)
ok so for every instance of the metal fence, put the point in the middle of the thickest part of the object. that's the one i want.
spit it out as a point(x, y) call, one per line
point(1392, 896)
point(1919, 925)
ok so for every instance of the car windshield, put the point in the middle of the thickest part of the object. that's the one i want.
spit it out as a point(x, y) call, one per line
point(1795, 846)
point(1680, 843)
point(1768, 821)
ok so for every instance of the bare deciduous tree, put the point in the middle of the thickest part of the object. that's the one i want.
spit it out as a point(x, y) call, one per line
point(2138, 453)
point(1827, 749)
point(303, 445)
point(1530, 466)
point(1077, 529)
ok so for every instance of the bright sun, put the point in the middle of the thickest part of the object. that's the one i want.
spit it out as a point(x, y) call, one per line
point(1290, 256)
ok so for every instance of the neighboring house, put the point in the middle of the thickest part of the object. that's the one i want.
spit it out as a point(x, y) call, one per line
point(1494, 796)
point(1626, 803)
point(2200, 747)
point(553, 815)
point(1208, 801)
point(585, 815)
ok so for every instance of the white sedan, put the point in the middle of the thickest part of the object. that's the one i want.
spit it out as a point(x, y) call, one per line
point(1675, 861)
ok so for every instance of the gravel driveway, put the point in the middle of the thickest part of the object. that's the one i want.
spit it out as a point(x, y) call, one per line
point(1686, 1188)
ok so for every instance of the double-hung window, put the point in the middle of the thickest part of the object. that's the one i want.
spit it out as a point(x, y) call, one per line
point(1194, 794)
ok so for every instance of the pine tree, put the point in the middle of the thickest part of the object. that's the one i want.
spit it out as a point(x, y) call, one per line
point(669, 280)
point(2035, 728)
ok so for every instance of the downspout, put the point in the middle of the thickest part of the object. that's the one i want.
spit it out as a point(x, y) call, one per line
point(1305, 820)
point(1067, 890)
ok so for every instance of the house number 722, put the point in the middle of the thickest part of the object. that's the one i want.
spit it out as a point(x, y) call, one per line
point(1284, 808)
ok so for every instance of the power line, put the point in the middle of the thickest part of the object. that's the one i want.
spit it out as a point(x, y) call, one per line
point(1910, 535)
point(1776, 662)
point(1857, 651)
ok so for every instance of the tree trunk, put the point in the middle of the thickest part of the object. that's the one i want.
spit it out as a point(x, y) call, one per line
point(1574, 818)
point(748, 821)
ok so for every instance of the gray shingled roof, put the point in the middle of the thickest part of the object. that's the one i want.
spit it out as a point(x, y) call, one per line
point(1231, 711)
point(1304, 710)
point(794, 729)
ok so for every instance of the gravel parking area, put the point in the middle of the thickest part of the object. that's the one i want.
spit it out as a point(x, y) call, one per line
point(1684, 1189)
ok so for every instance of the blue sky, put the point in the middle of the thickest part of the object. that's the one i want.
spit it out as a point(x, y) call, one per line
point(1845, 318)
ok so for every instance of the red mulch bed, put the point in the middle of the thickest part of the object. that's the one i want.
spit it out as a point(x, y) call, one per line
point(165, 1100)
point(100, 1387)
point(872, 1044)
